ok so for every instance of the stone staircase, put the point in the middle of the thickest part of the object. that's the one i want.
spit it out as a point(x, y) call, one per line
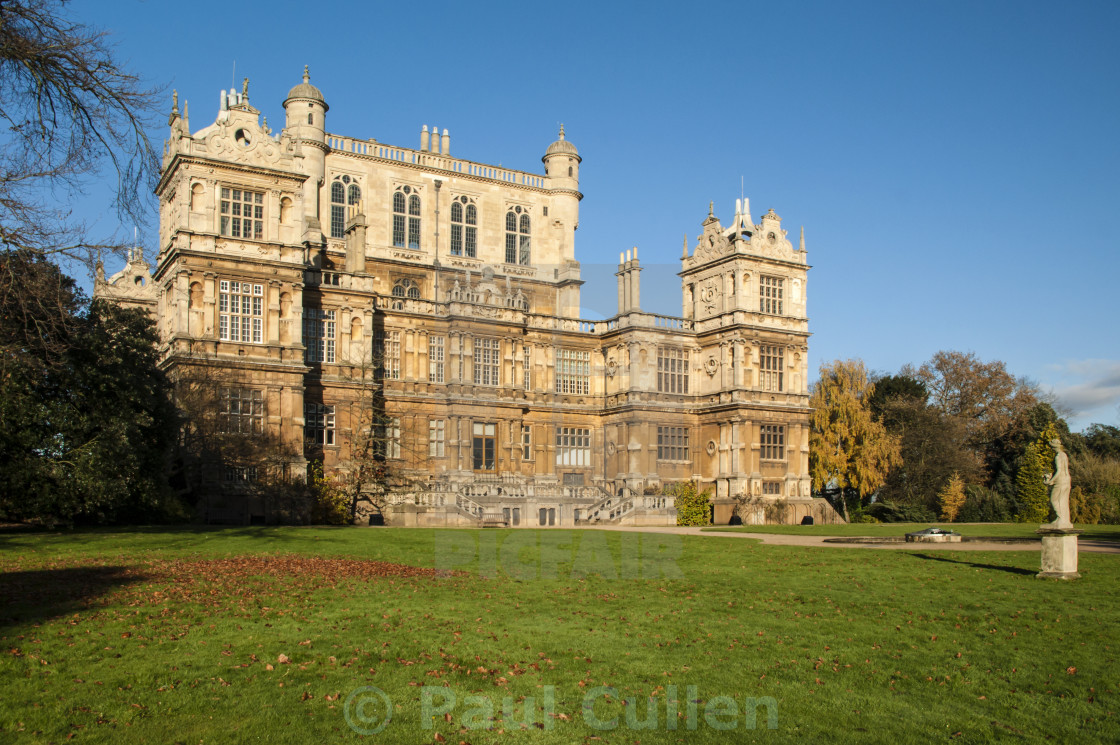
point(491, 501)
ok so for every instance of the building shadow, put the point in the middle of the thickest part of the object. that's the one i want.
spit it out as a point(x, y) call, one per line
point(31, 596)
point(977, 565)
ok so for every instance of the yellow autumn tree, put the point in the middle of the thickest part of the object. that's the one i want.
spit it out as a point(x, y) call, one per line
point(850, 453)
point(951, 498)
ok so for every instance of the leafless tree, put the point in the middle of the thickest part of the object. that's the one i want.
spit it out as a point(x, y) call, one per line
point(228, 456)
point(69, 113)
point(383, 455)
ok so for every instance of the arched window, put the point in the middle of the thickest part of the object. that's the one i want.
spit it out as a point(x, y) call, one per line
point(406, 288)
point(511, 237)
point(517, 236)
point(414, 221)
point(406, 217)
point(341, 187)
point(464, 230)
point(523, 254)
point(398, 219)
point(338, 209)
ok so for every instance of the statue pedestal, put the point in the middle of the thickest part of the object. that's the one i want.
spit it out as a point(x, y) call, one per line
point(1059, 553)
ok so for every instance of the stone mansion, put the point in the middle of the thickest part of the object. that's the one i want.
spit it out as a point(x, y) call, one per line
point(339, 291)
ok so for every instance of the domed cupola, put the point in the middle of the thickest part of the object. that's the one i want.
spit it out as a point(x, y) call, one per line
point(305, 91)
point(305, 110)
point(561, 160)
point(561, 146)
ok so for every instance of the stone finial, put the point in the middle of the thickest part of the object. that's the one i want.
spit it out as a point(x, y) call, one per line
point(265, 127)
point(245, 90)
point(711, 207)
point(306, 74)
point(175, 102)
point(684, 248)
point(801, 247)
point(561, 130)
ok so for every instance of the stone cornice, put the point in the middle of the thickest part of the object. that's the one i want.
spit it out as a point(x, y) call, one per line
point(750, 257)
point(178, 161)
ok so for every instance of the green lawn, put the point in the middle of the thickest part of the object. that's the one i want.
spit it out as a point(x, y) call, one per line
point(1003, 530)
point(154, 636)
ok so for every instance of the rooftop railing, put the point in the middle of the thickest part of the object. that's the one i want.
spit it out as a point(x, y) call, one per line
point(538, 321)
point(433, 160)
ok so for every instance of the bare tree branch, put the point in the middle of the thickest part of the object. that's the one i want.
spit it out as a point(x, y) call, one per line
point(68, 112)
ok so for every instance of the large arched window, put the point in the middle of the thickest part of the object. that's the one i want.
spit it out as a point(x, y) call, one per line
point(518, 242)
point(344, 191)
point(338, 209)
point(464, 227)
point(406, 217)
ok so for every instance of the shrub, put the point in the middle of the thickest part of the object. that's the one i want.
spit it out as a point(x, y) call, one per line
point(1099, 480)
point(330, 504)
point(1084, 509)
point(982, 505)
point(894, 512)
point(692, 508)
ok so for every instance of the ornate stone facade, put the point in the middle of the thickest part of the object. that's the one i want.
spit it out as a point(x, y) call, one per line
point(314, 273)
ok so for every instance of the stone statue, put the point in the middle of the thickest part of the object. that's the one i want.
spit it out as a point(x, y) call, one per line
point(1059, 487)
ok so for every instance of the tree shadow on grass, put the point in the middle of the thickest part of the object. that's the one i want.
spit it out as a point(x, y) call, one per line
point(174, 536)
point(976, 565)
point(1103, 535)
point(31, 596)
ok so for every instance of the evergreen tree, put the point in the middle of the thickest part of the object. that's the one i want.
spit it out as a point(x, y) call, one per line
point(86, 420)
point(1031, 491)
point(693, 507)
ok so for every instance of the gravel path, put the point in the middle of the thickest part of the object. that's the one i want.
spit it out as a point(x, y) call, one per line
point(780, 539)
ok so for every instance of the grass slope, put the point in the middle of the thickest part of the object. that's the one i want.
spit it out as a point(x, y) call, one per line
point(144, 636)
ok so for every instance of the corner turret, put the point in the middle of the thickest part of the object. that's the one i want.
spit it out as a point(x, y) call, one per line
point(561, 168)
point(306, 122)
point(561, 162)
point(306, 111)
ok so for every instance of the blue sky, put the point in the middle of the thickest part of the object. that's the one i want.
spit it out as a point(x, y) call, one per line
point(955, 164)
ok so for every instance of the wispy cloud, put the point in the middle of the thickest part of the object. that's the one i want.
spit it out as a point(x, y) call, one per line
point(1089, 388)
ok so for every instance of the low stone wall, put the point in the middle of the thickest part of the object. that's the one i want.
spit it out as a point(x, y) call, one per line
point(775, 511)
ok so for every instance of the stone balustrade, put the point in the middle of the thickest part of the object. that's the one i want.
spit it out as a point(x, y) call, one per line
point(465, 308)
point(434, 161)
